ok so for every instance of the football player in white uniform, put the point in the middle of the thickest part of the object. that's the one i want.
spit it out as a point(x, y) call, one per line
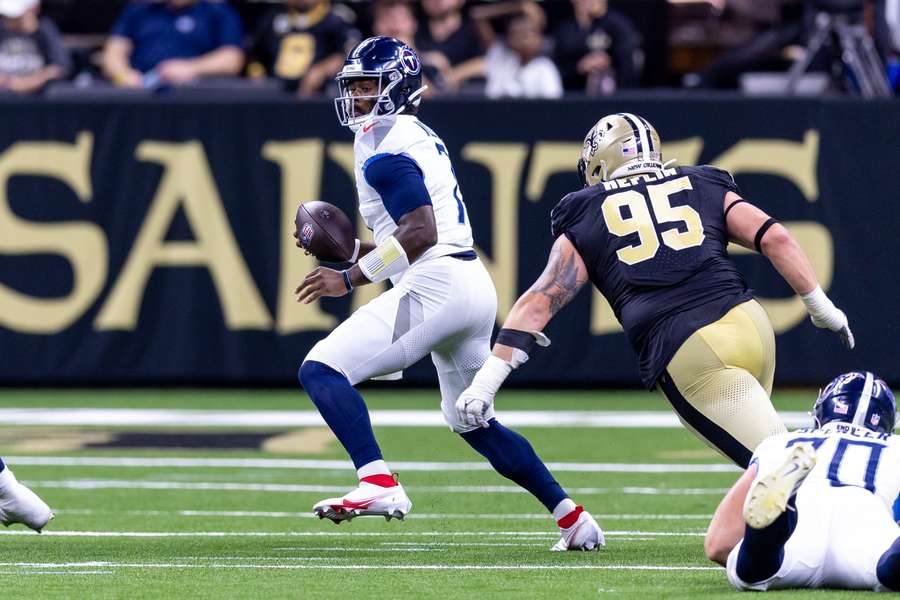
point(18, 504)
point(815, 508)
point(442, 301)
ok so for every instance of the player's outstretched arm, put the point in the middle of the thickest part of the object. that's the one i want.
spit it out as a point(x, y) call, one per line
point(752, 228)
point(564, 275)
point(727, 526)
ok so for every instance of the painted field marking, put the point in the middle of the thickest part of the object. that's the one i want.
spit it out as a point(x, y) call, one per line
point(400, 567)
point(346, 465)
point(415, 516)
point(99, 484)
point(380, 418)
point(292, 534)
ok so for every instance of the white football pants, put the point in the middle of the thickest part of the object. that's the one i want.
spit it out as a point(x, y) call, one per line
point(443, 306)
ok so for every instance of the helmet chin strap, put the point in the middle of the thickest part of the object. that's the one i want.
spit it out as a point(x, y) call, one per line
point(413, 98)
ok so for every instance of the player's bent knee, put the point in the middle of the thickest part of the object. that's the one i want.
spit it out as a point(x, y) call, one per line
point(314, 374)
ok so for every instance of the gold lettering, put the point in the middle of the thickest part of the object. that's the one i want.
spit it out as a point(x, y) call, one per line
point(82, 244)
point(547, 159)
point(342, 154)
point(505, 162)
point(187, 182)
point(301, 173)
point(794, 161)
point(816, 242)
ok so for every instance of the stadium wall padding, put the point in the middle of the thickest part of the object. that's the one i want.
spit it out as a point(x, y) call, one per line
point(150, 241)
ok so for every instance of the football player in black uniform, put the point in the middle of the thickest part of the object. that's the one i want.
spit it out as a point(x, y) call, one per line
point(653, 240)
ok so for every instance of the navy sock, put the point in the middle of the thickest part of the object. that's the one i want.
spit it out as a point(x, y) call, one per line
point(343, 409)
point(888, 569)
point(514, 458)
point(762, 551)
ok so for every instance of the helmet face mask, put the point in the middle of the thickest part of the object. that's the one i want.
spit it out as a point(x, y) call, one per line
point(857, 398)
point(619, 145)
point(397, 70)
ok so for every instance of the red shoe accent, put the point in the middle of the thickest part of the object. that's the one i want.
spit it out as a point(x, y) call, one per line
point(570, 519)
point(382, 480)
point(363, 504)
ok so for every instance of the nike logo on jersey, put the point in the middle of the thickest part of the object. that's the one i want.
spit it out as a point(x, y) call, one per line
point(368, 127)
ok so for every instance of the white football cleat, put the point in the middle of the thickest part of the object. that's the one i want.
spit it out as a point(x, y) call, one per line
point(18, 504)
point(367, 500)
point(769, 493)
point(583, 534)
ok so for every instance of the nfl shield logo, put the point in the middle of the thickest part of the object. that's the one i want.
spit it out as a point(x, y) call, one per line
point(874, 420)
point(306, 235)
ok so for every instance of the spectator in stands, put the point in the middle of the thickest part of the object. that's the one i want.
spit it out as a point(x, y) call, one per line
point(31, 51)
point(450, 43)
point(515, 66)
point(303, 43)
point(596, 51)
point(173, 42)
point(395, 18)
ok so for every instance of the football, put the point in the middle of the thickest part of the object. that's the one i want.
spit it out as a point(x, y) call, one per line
point(325, 231)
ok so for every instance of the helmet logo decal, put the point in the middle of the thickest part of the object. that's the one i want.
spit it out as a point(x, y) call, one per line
point(410, 61)
point(841, 408)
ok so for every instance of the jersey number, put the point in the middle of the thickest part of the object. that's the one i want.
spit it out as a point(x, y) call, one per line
point(641, 220)
point(841, 449)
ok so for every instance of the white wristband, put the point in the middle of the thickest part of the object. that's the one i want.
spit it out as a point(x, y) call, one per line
point(817, 302)
point(492, 374)
point(385, 261)
point(355, 255)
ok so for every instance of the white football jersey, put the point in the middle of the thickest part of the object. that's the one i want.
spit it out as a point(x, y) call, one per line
point(845, 456)
point(405, 134)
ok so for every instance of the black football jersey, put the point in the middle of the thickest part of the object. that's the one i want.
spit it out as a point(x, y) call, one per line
point(655, 247)
point(287, 43)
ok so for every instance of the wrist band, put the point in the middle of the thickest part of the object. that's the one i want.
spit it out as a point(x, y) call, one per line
point(520, 340)
point(757, 241)
point(347, 280)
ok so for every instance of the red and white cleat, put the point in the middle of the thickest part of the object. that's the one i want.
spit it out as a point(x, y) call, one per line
point(579, 532)
point(368, 500)
point(18, 504)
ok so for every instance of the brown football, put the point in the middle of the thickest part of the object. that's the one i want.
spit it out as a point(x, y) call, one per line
point(324, 231)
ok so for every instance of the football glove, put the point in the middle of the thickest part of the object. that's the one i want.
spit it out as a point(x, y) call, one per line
point(825, 315)
point(474, 404)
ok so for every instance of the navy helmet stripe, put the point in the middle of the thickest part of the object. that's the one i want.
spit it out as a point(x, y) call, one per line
point(640, 134)
point(635, 131)
point(649, 129)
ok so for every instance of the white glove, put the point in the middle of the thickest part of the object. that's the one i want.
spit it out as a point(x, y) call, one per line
point(825, 315)
point(476, 401)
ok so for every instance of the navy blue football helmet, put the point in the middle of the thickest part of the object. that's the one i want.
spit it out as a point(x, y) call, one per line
point(396, 68)
point(859, 398)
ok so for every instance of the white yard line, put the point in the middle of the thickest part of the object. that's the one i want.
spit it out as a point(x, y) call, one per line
point(99, 484)
point(314, 534)
point(346, 465)
point(380, 418)
point(396, 567)
point(415, 516)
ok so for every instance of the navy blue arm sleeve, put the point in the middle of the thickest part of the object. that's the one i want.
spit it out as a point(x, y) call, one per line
point(399, 181)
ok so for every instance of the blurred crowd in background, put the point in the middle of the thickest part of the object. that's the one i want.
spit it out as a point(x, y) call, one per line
point(496, 49)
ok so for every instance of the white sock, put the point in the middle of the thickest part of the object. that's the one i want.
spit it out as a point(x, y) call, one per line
point(563, 508)
point(376, 467)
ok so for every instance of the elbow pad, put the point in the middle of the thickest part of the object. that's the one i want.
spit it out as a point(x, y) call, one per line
point(385, 261)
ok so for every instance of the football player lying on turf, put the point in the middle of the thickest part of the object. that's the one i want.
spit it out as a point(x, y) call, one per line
point(442, 302)
point(653, 240)
point(817, 503)
point(18, 504)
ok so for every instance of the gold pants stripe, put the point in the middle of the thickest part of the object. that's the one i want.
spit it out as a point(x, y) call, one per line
point(720, 379)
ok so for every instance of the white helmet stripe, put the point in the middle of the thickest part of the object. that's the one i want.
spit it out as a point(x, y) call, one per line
point(636, 125)
point(859, 417)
